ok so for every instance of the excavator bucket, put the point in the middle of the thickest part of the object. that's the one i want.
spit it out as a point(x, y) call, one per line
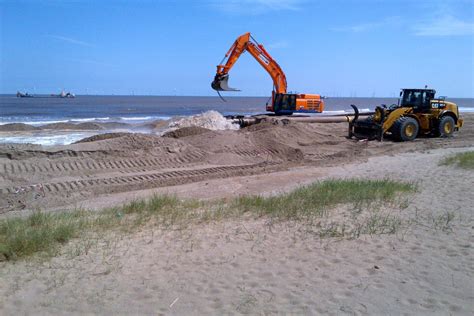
point(220, 83)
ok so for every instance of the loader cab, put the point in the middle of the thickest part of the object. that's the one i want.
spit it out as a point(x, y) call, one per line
point(284, 103)
point(418, 99)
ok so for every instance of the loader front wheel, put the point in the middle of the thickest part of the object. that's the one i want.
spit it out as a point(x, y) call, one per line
point(405, 129)
point(446, 126)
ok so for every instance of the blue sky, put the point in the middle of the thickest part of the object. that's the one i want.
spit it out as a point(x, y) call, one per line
point(335, 48)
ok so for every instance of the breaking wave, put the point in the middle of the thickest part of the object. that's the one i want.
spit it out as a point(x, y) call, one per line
point(46, 139)
point(45, 121)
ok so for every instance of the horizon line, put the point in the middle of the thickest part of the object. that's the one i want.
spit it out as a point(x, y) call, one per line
point(216, 96)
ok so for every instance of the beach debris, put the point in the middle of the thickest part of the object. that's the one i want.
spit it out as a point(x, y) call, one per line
point(19, 190)
point(22, 205)
point(42, 189)
point(174, 302)
point(22, 197)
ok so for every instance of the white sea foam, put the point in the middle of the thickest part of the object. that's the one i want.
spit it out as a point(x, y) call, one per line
point(91, 119)
point(46, 122)
point(46, 139)
point(466, 110)
point(34, 123)
point(133, 119)
point(144, 118)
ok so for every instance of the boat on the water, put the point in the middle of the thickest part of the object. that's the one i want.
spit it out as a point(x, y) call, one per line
point(23, 95)
point(63, 94)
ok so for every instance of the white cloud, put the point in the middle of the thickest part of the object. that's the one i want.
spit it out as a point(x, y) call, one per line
point(70, 40)
point(444, 26)
point(255, 6)
point(278, 44)
point(439, 25)
point(369, 26)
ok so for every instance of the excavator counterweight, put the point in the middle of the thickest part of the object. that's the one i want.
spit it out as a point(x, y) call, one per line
point(282, 101)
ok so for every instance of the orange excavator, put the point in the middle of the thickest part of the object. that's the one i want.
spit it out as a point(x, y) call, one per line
point(282, 103)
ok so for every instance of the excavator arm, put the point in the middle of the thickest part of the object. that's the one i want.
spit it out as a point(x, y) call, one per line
point(247, 43)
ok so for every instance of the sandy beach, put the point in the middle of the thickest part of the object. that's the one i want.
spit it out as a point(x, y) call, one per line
point(242, 266)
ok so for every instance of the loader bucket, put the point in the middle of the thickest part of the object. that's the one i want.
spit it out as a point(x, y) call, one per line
point(220, 83)
point(364, 128)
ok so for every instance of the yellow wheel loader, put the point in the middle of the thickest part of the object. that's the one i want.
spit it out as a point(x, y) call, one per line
point(417, 113)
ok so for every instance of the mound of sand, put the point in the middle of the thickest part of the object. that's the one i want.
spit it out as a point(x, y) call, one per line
point(72, 126)
point(155, 125)
point(132, 145)
point(186, 131)
point(212, 120)
point(17, 127)
point(100, 137)
point(114, 125)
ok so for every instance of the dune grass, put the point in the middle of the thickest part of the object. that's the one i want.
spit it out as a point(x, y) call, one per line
point(39, 232)
point(318, 198)
point(45, 232)
point(463, 160)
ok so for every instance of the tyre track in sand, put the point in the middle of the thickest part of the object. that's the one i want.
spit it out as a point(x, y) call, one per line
point(62, 191)
point(78, 166)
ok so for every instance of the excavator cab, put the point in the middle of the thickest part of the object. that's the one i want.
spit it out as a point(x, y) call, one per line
point(284, 103)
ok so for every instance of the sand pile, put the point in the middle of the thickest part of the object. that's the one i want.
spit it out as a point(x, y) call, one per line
point(212, 120)
point(99, 137)
point(186, 131)
point(72, 126)
point(17, 127)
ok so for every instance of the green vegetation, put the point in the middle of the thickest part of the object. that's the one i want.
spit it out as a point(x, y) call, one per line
point(444, 221)
point(46, 232)
point(463, 160)
point(38, 232)
point(318, 198)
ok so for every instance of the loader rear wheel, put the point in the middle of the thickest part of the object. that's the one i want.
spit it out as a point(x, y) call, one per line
point(446, 126)
point(405, 129)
